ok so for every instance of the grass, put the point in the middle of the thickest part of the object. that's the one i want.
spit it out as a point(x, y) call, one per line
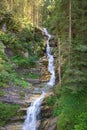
point(7, 112)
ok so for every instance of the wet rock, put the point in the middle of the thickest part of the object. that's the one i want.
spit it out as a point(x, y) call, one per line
point(49, 124)
point(46, 111)
point(45, 78)
point(10, 101)
point(35, 70)
point(43, 60)
point(14, 97)
point(2, 128)
point(52, 124)
point(52, 37)
point(37, 90)
point(14, 126)
point(45, 74)
point(53, 43)
point(38, 124)
point(33, 81)
point(17, 118)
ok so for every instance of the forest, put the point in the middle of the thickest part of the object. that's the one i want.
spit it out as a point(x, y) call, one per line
point(22, 45)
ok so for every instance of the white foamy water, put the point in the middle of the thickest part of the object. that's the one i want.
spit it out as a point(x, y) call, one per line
point(34, 109)
point(50, 58)
point(32, 112)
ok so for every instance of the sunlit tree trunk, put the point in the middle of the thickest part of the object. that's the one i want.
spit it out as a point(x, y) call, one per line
point(11, 4)
point(33, 15)
point(37, 15)
point(31, 9)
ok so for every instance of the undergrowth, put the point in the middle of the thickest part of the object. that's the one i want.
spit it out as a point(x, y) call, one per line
point(7, 112)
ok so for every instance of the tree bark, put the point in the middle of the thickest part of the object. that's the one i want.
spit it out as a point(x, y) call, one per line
point(59, 59)
point(70, 31)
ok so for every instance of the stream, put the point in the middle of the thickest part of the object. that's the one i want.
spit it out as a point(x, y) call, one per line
point(34, 109)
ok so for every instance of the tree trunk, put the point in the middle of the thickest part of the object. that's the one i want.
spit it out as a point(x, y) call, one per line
point(70, 31)
point(59, 59)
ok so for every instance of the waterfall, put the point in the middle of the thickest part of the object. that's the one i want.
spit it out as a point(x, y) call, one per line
point(34, 109)
point(32, 112)
point(50, 58)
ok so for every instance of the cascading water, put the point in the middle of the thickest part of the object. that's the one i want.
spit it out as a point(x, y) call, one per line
point(50, 58)
point(32, 112)
point(34, 109)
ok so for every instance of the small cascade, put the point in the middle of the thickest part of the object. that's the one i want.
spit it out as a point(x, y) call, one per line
point(50, 58)
point(34, 109)
point(32, 112)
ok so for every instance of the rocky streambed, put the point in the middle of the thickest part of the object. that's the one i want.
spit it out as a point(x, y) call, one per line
point(45, 120)
point(24, 97)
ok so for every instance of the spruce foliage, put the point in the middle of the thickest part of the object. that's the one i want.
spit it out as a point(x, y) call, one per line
point(73, 91)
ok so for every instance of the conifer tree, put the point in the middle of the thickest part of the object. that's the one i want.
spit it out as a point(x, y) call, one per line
point(69, 19)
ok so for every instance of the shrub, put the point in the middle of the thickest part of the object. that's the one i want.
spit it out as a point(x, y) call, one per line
point(25, 62)
point(81, 122)
point(73, 111)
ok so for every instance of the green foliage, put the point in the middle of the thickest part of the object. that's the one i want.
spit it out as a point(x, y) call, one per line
point(4, 76)
point(51, 100)
point(56, 111)
point(8, 74)
point(12, 23)
point(25, 62)
point(21, 82)
point(1, 93)
point(32, 75)
point(7, 112)
point(72, 105)
point(81, 122)
point(20, 38)
point(72, 101)
point(26, 40)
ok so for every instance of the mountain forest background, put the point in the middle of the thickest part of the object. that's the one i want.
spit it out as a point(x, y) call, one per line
point(20, 21)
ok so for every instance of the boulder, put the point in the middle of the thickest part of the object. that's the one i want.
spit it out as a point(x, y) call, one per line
point(43, 61)
point(33, 81)
point(49, 124)
point(14, 126)
point(53, 43)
